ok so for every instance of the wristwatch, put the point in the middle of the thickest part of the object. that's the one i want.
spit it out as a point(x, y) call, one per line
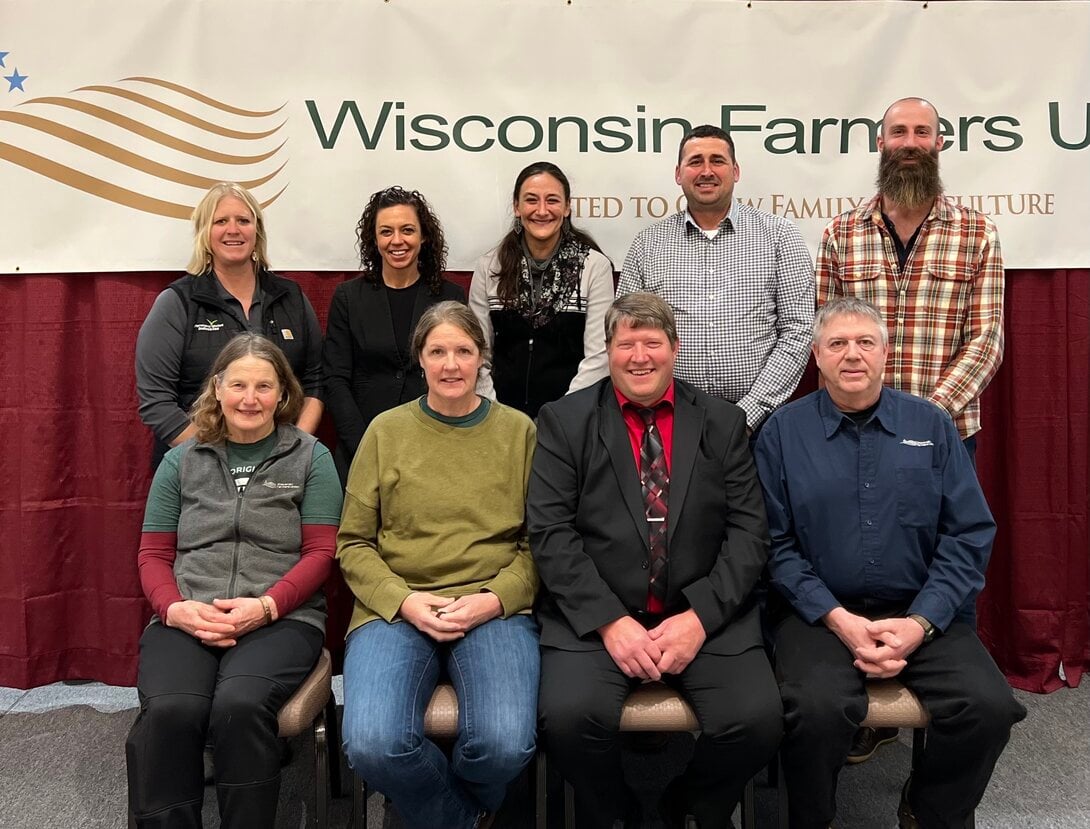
point(929, 629)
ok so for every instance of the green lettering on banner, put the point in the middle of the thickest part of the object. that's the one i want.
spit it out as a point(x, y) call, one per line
point(658, 123)
point(797, 136)
point(991, 125)
point(329, 139)
point(1054, 128)
point(459, 125)
point(418, 127)
point(555, 122)
point(535, 126)
point(625, 138)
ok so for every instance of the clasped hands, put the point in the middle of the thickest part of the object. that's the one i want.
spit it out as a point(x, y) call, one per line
point(223, 622)
point(881, 648)
point(667, 648)
point(445, 619)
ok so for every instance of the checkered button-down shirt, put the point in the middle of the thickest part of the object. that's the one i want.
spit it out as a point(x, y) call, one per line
point(744, 302)
point(944, 312)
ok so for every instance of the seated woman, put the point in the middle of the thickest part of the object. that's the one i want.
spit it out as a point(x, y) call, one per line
point(541, 297)
point(433, 545)
point(238, 538)
point(367, 360)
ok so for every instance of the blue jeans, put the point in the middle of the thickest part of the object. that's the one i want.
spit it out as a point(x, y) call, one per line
point(390, 672)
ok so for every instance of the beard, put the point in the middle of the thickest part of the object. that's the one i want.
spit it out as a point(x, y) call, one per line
point(909, 185)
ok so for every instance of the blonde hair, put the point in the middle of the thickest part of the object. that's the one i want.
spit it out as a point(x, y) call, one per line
point(201, 260)
point(206, 413)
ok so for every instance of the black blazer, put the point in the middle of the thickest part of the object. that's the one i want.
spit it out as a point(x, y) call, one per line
point(588, 532)
point(364, 372)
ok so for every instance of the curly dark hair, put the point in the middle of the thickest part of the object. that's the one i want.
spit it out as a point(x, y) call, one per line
point(509, 258)
point(433, 249)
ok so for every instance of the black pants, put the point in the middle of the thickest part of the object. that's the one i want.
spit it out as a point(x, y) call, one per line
point(191, 694)
point(734, 698)
point(824, 700)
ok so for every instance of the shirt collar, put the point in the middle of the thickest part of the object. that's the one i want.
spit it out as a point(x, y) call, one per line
point(667, 398)
point(728, 220)
point(832, 418)
point(941, 210)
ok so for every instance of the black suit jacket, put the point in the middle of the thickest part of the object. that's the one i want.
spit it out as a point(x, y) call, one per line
point(588, 532)
point(365, 374)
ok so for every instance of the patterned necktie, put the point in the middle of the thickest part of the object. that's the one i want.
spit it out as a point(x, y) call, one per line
point(655, 479)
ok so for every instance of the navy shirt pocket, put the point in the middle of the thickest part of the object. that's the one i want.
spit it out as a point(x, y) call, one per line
point(919, 497)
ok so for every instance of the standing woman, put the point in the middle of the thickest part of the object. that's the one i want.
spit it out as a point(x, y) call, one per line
point(433, 546)
point(228, 289)
point(368, 362)
point(541, 297)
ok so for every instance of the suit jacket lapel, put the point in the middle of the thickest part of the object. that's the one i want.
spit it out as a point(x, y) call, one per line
point(614, 434)
point(374, 320)
point(423, 298)
point(688, 427)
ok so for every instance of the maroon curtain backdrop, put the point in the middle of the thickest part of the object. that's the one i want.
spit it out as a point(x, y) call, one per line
point(75, 474)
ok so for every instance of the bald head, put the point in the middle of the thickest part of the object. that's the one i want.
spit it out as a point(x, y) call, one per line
point(911, 109)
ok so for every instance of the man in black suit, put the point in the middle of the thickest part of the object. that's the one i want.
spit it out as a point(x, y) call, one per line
point(648, 528)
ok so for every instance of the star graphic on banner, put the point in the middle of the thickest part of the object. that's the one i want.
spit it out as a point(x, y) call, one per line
point(2, 56)
point(15, 81)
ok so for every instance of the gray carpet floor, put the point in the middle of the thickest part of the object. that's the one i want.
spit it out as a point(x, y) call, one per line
point(62, 766)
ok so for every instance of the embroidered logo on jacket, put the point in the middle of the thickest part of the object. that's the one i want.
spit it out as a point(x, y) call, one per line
point(208, 325)
point(275, 485)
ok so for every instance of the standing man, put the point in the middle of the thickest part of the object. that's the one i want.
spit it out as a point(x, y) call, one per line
point(931, 266)
point(880, 539)
point(648, 529)
point(740, 281)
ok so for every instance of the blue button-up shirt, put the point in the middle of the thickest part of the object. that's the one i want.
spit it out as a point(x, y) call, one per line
point(889, 511)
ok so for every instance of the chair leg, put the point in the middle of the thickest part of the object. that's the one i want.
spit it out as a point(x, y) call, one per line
point(321, 774)
point(333, 733)
point(919, 739)
point(781, 792)
point(359, 802)
point(569, 806)
point(749, 821)
point(541, 790)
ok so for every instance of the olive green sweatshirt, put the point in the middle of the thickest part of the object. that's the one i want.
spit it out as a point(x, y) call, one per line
point(440, 508)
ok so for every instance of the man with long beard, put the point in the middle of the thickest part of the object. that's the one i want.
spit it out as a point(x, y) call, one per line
point(934, 270)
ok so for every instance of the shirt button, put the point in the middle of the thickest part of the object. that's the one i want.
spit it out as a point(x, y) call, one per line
point(872, 561)
point(711, 296)
point(399, 375)
point(870, 523)
point(643, 564)
point(866, 486)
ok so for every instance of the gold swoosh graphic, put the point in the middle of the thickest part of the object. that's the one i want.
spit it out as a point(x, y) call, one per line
point(177, 114)
point(204, 99)
point(133, 152)
point(97, 187)
point(122, 156)
point(151, 133)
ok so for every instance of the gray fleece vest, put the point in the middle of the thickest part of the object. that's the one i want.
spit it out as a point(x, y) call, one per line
point(234, 545)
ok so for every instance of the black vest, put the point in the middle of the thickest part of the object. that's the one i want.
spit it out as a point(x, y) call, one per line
point(211, 323)
point(534, 366)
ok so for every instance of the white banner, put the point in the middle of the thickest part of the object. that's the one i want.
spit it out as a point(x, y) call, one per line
point(116, 116)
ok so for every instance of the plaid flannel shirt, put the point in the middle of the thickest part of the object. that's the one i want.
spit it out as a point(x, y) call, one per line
point(944, 312)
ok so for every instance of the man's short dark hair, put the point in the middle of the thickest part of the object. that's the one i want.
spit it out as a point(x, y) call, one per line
point(706, 131)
